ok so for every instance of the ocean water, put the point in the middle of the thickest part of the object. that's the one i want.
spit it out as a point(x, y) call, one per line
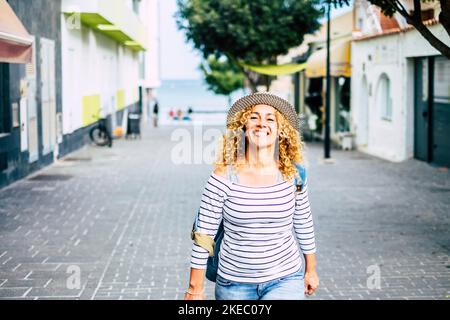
point(181, 94)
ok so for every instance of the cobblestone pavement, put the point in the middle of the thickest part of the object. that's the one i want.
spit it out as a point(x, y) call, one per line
point(115, 223)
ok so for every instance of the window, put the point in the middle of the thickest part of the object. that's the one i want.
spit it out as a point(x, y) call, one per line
point(442, 80)
point(384, 100)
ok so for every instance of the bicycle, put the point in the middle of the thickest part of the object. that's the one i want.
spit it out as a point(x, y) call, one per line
point(99, 134)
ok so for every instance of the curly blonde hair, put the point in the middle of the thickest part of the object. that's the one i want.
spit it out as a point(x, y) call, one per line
point(233, 145)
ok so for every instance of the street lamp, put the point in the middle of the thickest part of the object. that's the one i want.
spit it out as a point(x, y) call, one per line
point(327, 99)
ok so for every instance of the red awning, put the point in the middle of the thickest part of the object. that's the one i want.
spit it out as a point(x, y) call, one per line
point(15, 42)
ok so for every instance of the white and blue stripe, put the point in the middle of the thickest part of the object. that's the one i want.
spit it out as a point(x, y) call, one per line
point(260, 223)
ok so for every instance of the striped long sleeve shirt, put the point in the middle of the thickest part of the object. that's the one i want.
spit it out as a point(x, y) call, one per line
point(259, 224)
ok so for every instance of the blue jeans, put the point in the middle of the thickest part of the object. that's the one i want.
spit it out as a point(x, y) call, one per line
point(290, 287)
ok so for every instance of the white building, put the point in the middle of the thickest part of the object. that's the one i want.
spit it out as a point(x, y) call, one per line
point(106, 46)
point(400, 105)
point(150, 80)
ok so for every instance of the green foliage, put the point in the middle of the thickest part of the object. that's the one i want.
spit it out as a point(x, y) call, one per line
point(222, 76)
point(254, 31)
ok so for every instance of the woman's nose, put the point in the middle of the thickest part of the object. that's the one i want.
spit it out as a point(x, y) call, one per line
point(261, 123)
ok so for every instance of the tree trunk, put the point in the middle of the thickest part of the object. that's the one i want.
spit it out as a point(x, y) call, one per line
point(268, 82)
point(253, 85)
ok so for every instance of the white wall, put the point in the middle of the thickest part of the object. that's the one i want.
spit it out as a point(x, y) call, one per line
point(392, 55)
point(130, 75)
point(379, 56)
point(93, 64)
point(72, 76)
point(149, 15)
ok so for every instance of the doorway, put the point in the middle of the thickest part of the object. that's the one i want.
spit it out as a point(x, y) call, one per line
point(30, 78)
point(48, 97)
point(432, 110)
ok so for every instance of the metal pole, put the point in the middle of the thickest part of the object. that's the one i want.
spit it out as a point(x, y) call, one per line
point(328, 79)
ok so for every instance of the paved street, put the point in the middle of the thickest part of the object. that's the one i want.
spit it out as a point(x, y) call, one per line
point(115, 223)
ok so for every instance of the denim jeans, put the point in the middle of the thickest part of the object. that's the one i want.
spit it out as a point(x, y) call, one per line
point(290, 287)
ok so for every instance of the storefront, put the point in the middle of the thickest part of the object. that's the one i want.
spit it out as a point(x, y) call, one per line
point(16, 58)
point(432, 110)
point(31, 90)
point(314, 86)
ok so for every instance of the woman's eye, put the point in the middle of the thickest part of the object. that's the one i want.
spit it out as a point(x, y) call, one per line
point(271, 120)
point(253, 118)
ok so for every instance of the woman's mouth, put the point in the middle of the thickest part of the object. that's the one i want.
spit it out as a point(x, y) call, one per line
point(260, 133)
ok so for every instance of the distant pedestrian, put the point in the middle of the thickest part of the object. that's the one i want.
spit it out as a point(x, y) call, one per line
point(189, 113)
point(179, 114)
point(252, 192)
point(171, 114)
point(155, 113)
point(186, 116)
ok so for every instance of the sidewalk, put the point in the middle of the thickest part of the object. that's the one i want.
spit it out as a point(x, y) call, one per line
point(115, 224)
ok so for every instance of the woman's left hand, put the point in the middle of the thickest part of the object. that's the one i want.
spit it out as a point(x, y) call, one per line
point(311, 282)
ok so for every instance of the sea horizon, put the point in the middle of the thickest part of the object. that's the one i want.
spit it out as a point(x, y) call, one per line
point(181, 94)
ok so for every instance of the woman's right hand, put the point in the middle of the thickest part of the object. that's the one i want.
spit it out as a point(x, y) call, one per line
point(194, 295)
point(196, 288)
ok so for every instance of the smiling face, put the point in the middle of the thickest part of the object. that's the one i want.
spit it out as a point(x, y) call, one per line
point(262, 126)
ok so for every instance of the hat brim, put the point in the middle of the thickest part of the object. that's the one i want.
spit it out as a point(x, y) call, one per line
point(282, 105)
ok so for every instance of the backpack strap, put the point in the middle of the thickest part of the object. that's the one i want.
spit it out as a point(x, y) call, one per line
point(204, 241)
point(201, 239)
point(302, 173)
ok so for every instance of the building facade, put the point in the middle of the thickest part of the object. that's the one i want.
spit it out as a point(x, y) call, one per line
point(102, 45)
point(89, 61)
point(31, 99)
point(400, 88)
point(306, 89)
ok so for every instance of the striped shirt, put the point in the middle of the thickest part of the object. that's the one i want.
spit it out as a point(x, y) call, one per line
point(259, 223)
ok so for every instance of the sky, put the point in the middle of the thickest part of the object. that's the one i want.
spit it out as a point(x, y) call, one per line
point(178, 59)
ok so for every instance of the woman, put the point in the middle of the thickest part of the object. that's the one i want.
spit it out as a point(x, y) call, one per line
point(252, 189)
point(155, 113)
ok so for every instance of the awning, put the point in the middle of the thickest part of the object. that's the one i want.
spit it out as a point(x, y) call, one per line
point(276, 70)
point(15, 42)
point(112, 18)
point(339, 61)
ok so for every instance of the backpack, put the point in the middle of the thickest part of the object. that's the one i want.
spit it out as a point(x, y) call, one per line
point(213, 260)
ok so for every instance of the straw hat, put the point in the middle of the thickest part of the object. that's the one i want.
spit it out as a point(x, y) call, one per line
point(269, 99)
